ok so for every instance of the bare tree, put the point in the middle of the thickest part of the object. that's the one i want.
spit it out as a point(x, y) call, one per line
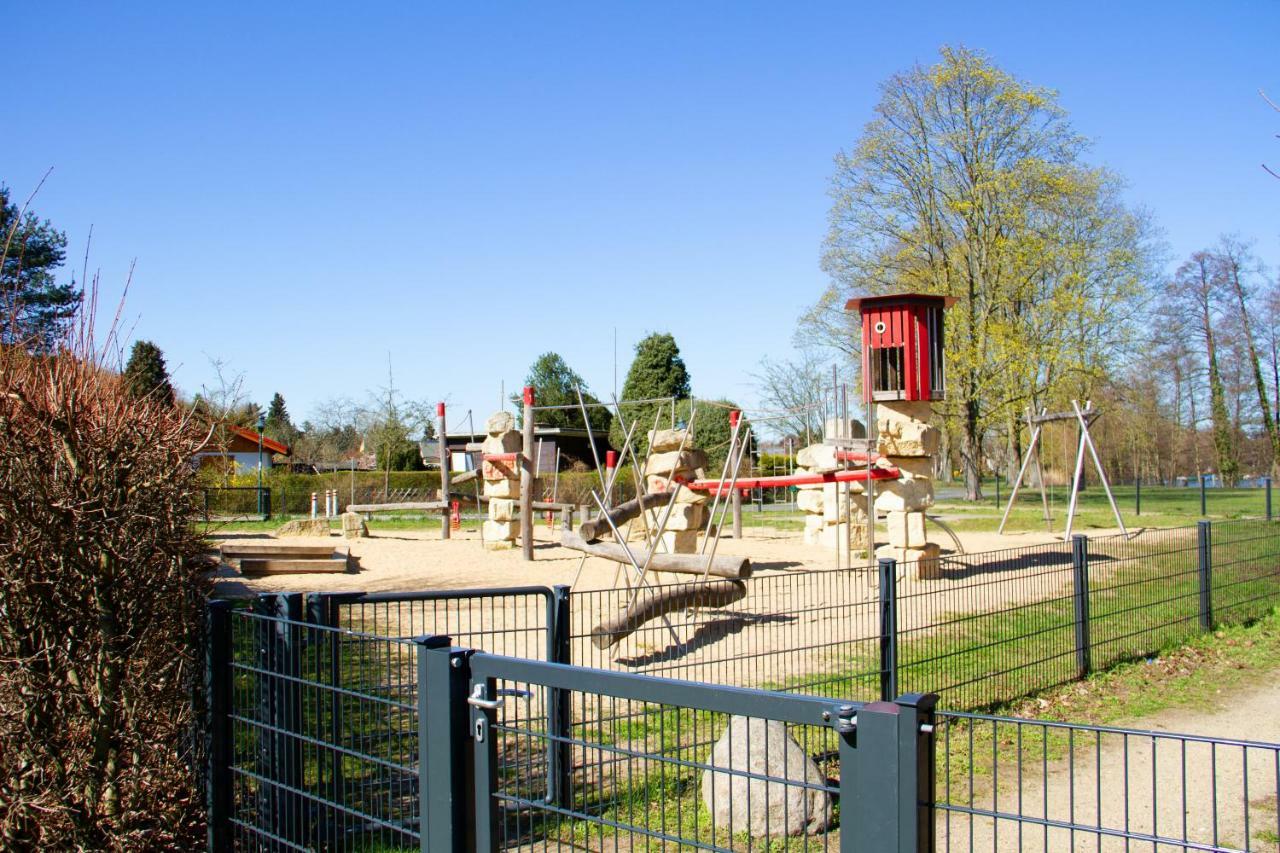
point(223, 402)
point(1235, 266)
point(1196, 289)
point(797, 389)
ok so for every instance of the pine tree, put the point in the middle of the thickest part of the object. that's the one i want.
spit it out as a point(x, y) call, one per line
point(656, 371)
point(556, 384)
point(34, 308)
point(146, 376)
point(277, 423)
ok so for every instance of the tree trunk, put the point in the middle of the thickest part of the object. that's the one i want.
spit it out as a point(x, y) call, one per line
point(971, 452)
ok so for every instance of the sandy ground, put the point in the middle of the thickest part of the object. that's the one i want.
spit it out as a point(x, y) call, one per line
point(1168, 786)
point(405, 560)
point(794, 623)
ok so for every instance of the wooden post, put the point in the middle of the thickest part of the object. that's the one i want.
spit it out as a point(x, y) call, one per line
point(526, 477)
point(445, 520)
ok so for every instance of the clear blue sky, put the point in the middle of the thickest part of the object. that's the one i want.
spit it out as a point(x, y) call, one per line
point(308, 189)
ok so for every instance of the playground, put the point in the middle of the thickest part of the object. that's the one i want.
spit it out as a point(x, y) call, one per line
point(866, 587)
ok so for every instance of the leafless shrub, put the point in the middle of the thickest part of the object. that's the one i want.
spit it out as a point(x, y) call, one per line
point(100, 602)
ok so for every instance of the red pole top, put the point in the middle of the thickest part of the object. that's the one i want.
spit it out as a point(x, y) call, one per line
point(440, 409)
point(734, 415)
point(528, 395)
point(611, 459)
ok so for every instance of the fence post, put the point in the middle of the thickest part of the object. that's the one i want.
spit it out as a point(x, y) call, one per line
point(280, 713)
point(1268, 479)
point(1080, 595)
point(888, 568)
point(1204, 554)
point(1203, 505)
point(218, 734)
point(1137, 496)
point(886, 776)
point(445, 765)
point(559, 705)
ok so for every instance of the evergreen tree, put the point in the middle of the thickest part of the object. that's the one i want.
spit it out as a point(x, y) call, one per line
point(656, 371)
point(35, 308)
point(278, 425)
point(712, 431)
point(146, 375)
point(556, 384)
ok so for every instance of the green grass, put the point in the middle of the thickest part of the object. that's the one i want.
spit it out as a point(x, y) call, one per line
point(1162, 506)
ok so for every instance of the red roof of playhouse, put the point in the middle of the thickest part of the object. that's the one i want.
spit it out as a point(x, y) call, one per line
point(857, 302)
point(267, 443)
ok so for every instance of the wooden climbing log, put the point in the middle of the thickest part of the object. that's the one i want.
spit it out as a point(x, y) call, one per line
point(652, 604)
point(594, 528)
point(463, 477)
point(722, 566)
point(427, 506)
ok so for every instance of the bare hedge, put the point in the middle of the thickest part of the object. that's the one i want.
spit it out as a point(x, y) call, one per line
point(100, 602)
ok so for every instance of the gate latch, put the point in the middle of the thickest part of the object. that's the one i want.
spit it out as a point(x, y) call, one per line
point(843, 719)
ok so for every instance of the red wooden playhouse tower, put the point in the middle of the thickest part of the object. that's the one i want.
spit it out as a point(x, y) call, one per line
point(902, 346)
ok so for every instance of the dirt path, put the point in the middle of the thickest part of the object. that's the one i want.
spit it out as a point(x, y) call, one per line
point(1166, 785)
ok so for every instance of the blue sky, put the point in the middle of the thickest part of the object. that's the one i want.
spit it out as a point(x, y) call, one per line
point(309, 189)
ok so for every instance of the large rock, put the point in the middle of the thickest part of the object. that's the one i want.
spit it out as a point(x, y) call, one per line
point(903, 495)
point(499, 534)
point(684, 516)
point(912, 467)
point(503, 509)
point(809, 500)
point(502, 488)
point(682, 462)
point(906, 529)
point(658, 483)
point(663, 440)
point(304, 527)
point(903, 429)
point(353, 526)
point(836, 505)
point(926, 560)
point(680, 542)
point(500, 470)
point(818, 458)
point(742, 804)
point(507, 442)
point(499, 422)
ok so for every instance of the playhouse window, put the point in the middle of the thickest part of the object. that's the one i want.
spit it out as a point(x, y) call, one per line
point(888, 377)
point(937, 376)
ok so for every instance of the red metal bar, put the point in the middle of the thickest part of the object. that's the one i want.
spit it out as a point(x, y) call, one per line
point(887, 473)
point(501, 457)
point(856, 456)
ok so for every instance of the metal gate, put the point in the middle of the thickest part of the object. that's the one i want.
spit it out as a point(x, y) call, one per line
point(657, 762)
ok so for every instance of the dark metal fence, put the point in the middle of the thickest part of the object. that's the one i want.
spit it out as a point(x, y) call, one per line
point(421, 745)
point(313, 733)
point(316, 707)
point(236, 502)
point(1031, 785)
point(980, 629)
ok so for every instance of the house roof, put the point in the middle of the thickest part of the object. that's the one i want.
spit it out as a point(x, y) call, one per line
point(267, 443)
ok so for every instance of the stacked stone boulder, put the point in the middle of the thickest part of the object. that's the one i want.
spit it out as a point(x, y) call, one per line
point(907, 440)
point(834, 517)
point(501, 483)
point(668, 463)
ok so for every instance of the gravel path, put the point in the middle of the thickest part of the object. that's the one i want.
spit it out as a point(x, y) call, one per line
point(1223, 797)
